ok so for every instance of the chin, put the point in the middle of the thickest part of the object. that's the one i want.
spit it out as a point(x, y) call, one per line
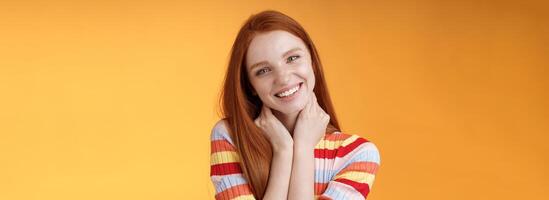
point(291, 109)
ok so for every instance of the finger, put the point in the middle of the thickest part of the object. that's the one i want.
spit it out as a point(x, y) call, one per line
point(264, 110)
point(314, 103)
point(267, 111)
point(256, 121)
point(309, 101)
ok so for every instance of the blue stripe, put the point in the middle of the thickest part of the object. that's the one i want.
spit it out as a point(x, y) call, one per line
point(367, 153)
point(219, 132)
point(324, 175)
point(336, 194)
point(229, 181)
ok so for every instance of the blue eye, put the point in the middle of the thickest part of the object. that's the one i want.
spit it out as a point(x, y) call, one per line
point(262, 71)
point(292, 58)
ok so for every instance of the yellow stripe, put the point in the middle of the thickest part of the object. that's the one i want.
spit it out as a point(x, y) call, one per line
point(245, 197)
point(361, 177)
point(224, 157)
point(331, 145)
point(349, 140)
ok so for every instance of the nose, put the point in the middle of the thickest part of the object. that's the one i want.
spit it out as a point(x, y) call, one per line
point(283, 76)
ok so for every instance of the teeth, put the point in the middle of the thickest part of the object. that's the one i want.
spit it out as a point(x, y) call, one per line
point(289, 92)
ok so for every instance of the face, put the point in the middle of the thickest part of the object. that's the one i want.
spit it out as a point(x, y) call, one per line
point(280, 70)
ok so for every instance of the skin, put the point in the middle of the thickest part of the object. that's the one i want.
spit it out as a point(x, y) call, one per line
point(295, 127)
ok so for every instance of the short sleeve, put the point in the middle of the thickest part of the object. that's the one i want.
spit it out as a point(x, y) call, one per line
point(225, 172)
point(355, 178)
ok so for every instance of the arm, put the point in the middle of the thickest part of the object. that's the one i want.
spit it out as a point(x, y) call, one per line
point(282, 146)
point(279, 176)
point(225, 172)
point(309, 129)
point(302, 179)
point(355, 177)
point(227, 177)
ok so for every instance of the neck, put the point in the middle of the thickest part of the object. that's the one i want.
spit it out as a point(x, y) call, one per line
point(288, 120)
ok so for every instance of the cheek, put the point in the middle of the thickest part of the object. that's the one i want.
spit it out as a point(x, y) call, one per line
point(307, 73)
point(312, 84)
point(262, 88)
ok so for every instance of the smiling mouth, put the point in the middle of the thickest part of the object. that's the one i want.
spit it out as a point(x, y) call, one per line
point(290, 92)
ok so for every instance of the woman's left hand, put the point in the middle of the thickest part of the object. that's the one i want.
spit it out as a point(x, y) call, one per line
point(311, 124)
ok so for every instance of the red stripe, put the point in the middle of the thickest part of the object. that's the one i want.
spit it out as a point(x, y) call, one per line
point(320, 188)
point(323, 197)
point(369, 167)
point(363, 188)
point(233, 192)
point(337, 137)
point(221, 145)
point(341, 151)
point(225, 168)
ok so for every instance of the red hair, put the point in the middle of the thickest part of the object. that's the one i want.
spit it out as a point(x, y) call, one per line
point(240, 107)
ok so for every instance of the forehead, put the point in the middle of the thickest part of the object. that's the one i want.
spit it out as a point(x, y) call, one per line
point(271, 45)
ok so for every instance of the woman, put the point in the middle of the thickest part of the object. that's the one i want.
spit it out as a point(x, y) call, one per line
point(280, 138)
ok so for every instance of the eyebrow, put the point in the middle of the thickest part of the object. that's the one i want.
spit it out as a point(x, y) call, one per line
point(283, 55)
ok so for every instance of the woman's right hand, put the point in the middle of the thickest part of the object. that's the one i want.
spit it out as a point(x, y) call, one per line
point(274, 130)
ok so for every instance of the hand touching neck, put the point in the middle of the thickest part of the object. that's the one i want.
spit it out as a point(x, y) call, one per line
point(289, 120)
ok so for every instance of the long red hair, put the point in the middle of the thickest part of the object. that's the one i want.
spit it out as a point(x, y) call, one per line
point(240, 107)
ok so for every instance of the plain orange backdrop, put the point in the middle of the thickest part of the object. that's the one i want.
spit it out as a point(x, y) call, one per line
point(116, 99)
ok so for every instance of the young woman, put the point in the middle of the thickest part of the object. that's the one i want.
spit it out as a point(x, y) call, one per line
point(279, 137)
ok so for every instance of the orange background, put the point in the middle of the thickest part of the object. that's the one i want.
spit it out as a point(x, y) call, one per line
point(116, 99)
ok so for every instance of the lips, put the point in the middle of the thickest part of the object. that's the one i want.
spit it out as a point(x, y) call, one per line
point(285, 89)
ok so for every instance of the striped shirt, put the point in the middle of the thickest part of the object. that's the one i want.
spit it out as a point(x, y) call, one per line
point(345, 167)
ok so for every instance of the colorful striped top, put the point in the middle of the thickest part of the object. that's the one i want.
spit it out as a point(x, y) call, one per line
point(345, 167)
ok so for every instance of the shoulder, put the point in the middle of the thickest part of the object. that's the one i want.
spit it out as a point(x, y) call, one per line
point(353, 145)
point(346, 139)
point(220, 131)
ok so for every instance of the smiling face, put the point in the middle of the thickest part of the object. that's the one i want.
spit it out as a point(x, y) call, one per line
point(280, 70)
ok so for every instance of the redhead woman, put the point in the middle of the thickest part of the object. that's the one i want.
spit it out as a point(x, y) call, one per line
point(279, 137)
